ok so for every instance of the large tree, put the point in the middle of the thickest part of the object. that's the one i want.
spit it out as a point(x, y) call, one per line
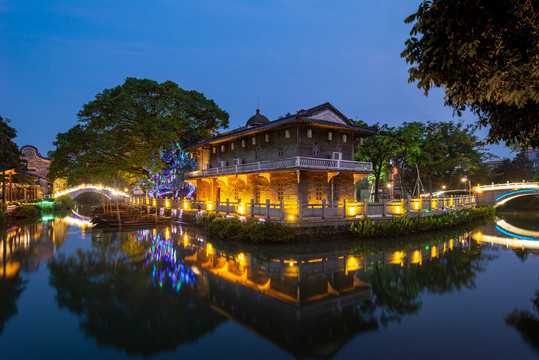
point(122, 132)
point(10, 154)
point(485, 54)
point(378, 150)
point(442, 152)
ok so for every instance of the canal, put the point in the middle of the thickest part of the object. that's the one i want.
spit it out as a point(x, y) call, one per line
point(70, 291)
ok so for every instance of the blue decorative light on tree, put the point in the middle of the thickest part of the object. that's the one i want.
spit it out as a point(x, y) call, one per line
point(169, 182)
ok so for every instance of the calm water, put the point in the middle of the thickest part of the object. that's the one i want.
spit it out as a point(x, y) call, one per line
point(67, 291)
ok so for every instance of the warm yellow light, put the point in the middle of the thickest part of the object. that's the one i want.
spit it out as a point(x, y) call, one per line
point(397, 209)
point(241, 256)
point(154, 202)
point(209, 206)
point(185, 205)
point(186, 239)
point(167, 203)
point(352, 210)
point(126, 190)
point(209, 249)
point(416, 205)
point(443, 187)
point(167, 234)
point(291, 217)
point(388, 186)
point(241, 209)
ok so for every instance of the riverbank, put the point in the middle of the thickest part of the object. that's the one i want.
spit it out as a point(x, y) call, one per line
point(234, 229)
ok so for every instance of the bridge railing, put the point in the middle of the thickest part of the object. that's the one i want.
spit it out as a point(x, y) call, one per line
point(291, 211)
point(99, 188)
point(508, 185)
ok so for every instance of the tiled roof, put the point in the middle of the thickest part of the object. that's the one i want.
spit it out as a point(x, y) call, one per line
point(302, 116)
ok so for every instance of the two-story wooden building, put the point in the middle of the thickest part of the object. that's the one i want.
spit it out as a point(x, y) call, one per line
point(307, 157)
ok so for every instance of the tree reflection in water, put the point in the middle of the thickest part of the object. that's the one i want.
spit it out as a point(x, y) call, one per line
point(11, 283)
point(396, 288)
point(112, 289)
point(527, 323)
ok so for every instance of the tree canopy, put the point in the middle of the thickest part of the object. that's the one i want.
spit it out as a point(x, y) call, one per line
point(442, 152)
point(485, 54)
point(10, 154)
point(122, 132)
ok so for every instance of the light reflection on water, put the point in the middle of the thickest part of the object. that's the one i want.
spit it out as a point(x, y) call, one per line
point(152, 291)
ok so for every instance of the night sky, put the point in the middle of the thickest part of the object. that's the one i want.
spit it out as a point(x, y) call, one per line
point(292, 55)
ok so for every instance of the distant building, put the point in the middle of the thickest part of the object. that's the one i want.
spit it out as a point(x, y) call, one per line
point(37, 166)
point(307, 158)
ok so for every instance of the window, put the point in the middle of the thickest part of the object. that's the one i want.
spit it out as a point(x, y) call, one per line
point(309, 133)
point(232, 146)
point(287, 134)
point(243, 143)
point(318, 191)
point(280, 151)
point(330, 136)
point(267, 138)
point(257, 193)
point(257, 153)
point(213, 150)
point(316, 149)
point(253, 140)
point(343, 137)
point(280, 191)
point(223, 148)
point(236, 192)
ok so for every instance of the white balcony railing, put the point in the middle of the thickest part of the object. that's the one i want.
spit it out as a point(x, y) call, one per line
point(298, 162)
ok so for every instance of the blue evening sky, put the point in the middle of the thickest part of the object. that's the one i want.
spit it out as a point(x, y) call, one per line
point(57, 55)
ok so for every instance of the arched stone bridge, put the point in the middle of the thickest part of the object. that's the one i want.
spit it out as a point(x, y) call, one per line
point(498, 194)
point(73, 192)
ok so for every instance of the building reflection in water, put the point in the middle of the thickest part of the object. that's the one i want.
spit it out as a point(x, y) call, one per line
point(150, 291)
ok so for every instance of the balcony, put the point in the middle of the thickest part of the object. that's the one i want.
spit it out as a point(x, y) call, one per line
point(294, 163)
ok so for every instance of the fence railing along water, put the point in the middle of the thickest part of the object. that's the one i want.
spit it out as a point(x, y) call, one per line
point(298, 211)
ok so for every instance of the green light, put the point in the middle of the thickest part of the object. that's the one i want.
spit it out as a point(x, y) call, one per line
point(427, 210)
point(426, 247)
point(47, 218)
point(46, 203)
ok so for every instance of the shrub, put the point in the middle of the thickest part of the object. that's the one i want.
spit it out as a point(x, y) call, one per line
point(64, 202)
point(224, 228)
point(402, 225)
point(27, 211)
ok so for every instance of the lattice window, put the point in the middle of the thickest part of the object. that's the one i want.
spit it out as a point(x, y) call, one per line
point(280, 191)
point(257, 194)
point(280, 152)
point(316, 149)
point(318, 191)
point(236, 192)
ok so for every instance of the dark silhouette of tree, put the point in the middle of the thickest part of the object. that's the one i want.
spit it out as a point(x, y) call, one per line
point(484, 54)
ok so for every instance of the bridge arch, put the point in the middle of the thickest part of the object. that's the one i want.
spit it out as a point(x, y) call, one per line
point(73, 192)
point(498, 194)
point(502, 199)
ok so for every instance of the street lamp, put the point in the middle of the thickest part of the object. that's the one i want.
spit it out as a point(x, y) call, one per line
point(390, 189)
point(443, 187)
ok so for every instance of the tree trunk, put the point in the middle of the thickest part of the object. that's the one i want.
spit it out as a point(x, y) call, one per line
point(376, 187)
